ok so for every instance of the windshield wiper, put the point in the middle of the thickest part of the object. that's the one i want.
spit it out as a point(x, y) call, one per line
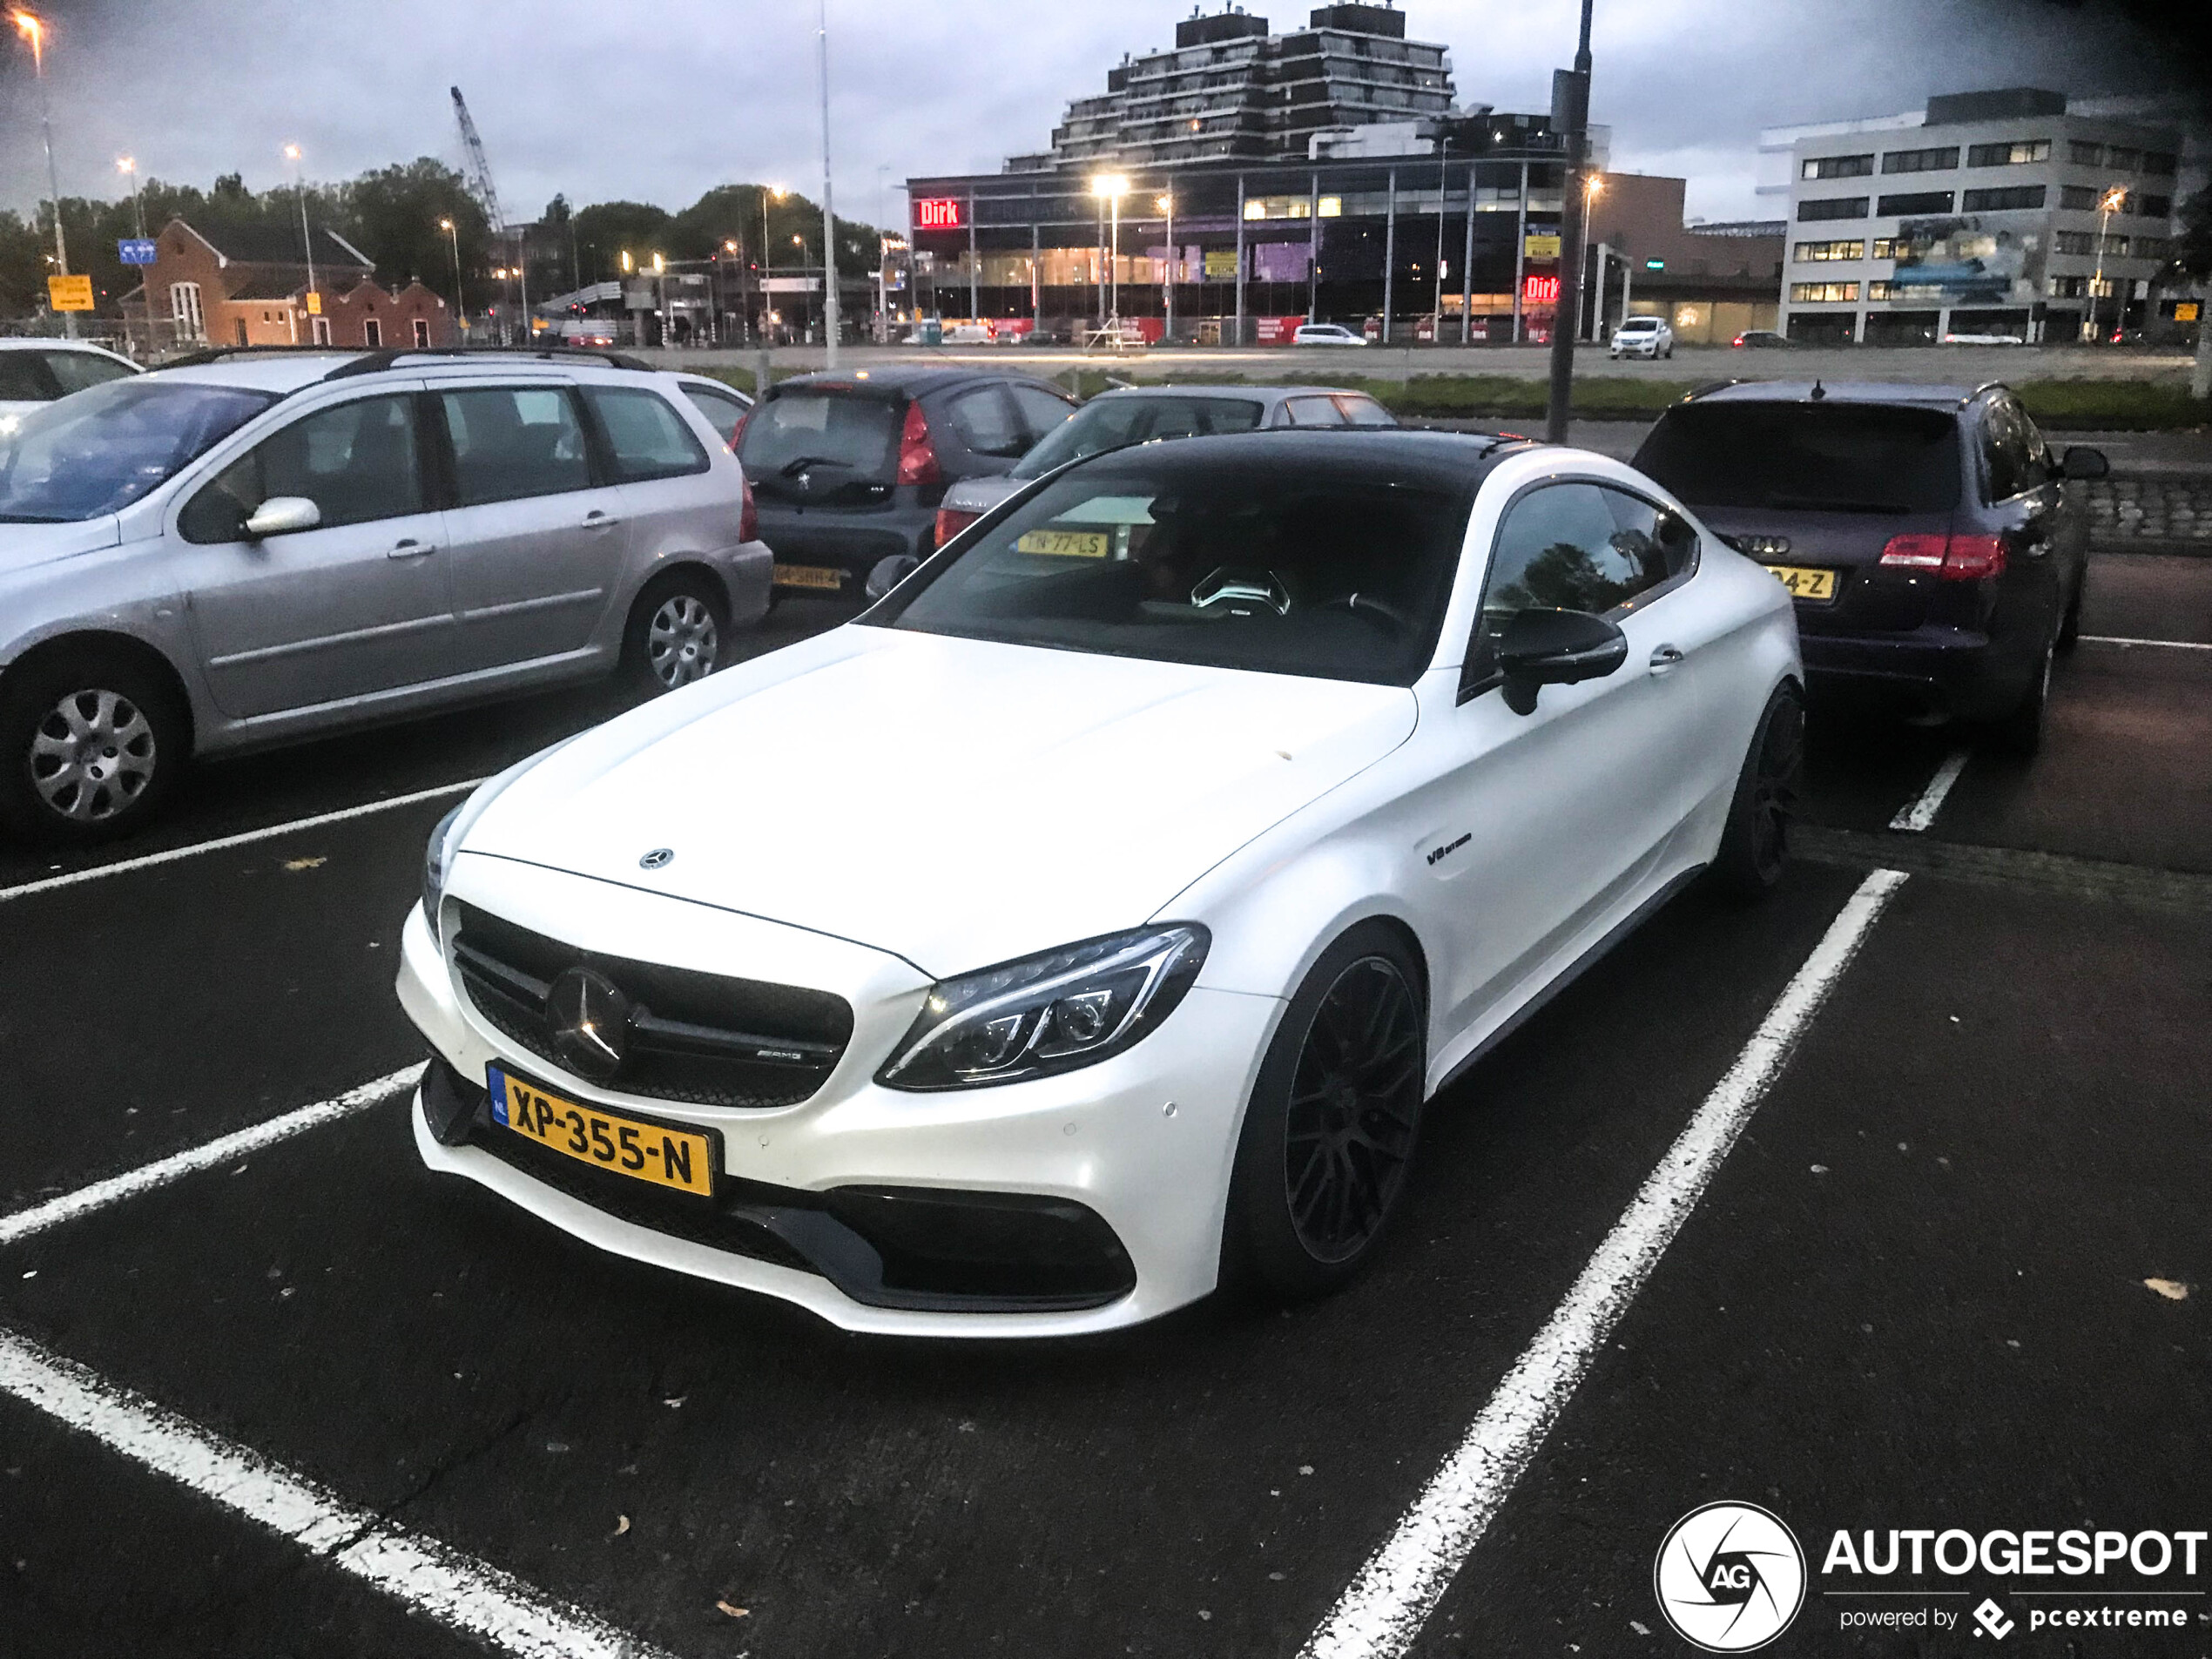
point(792, 469)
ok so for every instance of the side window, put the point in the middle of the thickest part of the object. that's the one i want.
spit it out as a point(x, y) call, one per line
point(75, 370)
point(355, 461)
point(986, 422)
point(24, 378)
point(724, 413)
point(1041, 412)
point(648, 438)
point(1311, 411)
point(1579, 547)
point(509, 442)
point(1364, 411)
point(2022, 444)
point(1999, 460)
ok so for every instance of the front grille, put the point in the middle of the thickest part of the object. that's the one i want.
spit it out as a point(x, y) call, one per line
point(699, 1038)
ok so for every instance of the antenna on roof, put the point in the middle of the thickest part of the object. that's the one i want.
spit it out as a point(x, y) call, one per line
point(1818, 390)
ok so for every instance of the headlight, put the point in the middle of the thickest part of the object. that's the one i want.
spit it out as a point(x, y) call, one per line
point(433, 865)
point(1053, 1012)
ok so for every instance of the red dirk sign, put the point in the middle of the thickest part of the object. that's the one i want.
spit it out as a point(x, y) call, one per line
point(937, 214)
point(1540, 291)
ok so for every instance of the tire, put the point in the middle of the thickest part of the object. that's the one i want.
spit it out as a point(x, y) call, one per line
point(90, 742)
point(1332, 1123)
point(1755, 843)
point(2020, 733)
point(677, 633)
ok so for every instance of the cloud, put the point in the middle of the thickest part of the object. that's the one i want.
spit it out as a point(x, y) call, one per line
point(661, 103)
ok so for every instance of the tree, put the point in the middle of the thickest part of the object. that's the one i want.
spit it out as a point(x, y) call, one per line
point(605, 230)
point(393, 216)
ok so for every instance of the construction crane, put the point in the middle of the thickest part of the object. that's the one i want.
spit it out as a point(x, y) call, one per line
point(487, 196)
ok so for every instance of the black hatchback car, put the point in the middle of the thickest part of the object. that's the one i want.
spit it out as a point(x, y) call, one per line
point(1928, 534)
point(847, 468)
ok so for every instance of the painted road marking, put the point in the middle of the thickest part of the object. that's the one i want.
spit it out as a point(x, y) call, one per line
point(2167, 644)
point(1921, 812)
point(428, 1576)
point(124, 866)
point(1382, 1611)
point(161, 1172)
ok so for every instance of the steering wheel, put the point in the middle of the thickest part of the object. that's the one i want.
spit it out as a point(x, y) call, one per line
point(1370, 609)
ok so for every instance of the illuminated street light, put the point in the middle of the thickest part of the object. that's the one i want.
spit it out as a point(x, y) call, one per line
point(300, 189)
point(460, 306)
point(1165, 202)
point(1113, 186)
point(2112, 201)
point(128, 167)
point(32, 28)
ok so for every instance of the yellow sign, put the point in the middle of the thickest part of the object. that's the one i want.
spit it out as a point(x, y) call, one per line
point(1541, 247)
point(2186, 311)
point(1221, 265)
point(314, 303)
point(70, 292)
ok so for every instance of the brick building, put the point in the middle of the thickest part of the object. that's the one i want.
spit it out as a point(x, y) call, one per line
point(249, 287)
point(1712, 283)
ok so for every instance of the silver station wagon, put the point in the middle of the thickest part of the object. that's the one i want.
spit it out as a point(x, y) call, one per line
point(256, 547)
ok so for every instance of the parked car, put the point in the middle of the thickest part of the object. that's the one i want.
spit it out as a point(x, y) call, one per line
point(1762, 340)
point(1129, 881)
point(34, 373)
point(1933, 544)
point(1147, 413)
point(1327, 334)
point(849, 468)
point(269, 545)
point(1642, 337)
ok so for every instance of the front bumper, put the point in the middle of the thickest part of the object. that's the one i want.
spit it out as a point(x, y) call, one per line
point(1143, 1143)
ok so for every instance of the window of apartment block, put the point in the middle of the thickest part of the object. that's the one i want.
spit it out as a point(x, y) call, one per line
point(1884, 247)
point(2123, 158)
point(2158, 165)
point(2152, 206)
point(1879, 290)
point(2080, 199)
point(2079, 243)
point(2069, 287)
point(1820, 252)
point(2085, 155)
point(1832, 207)
point(1823, 293)
point(1941, 160)
point(1836, 166)
point(2152, 247)
point(2016, 152)
point(2011, 198)
point(1921, 201)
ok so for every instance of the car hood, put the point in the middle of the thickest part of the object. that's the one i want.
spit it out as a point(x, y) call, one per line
point(955, 802)
point(24, 545)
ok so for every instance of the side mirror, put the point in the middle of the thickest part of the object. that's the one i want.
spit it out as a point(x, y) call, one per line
point(283, 516)
point(888, 573)
point(2081, 461)
point(1539, 648)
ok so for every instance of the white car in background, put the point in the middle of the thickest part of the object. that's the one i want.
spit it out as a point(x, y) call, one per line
point(1327, 334)
point(1097, 913)
point(1644, 337)
point(34, 373)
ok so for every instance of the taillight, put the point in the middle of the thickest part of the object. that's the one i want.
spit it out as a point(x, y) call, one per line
point(951, 520)
point(917, 455)
point(748, 514)
point(1954, 558)
point(737, 432)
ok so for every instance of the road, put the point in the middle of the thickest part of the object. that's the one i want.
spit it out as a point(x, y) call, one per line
point(1913, 1294)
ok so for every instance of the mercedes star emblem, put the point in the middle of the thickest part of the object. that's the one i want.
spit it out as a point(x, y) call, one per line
point(586, 1018)
point(659, 859)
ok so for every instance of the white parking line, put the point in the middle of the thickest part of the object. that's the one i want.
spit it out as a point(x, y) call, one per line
point(123, 866)
point(161, 1172)
point(2167, 645)
point(1382, 1611)
point(428, 1576)
point(1921, 812)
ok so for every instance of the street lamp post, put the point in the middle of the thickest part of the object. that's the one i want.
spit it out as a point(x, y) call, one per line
point(300, 189)
point(1166, 205)
point(459, 306)
point(1443, 186)
point(1570, 108)
point(2107, 207)
point(33, 29)
point(1113, 186)
point(829, 218)
point(128, 165)
point(761, 291)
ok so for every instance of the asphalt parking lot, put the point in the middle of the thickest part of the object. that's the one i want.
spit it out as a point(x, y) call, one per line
point(1913, 1293)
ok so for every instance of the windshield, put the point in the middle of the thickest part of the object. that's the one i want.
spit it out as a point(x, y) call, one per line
point(1638, 324)
point(99, 450)
point(1115, 422)
point(1328, 567)
point(1810, 457)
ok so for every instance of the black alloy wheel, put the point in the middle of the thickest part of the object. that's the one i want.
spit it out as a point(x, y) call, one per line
point(1755, 846)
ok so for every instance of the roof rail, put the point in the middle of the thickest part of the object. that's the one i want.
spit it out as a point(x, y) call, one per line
point(373, 362)
point(218, 353)
point(1706, 388)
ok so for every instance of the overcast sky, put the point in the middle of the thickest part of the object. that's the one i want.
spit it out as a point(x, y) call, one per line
point(687, 94)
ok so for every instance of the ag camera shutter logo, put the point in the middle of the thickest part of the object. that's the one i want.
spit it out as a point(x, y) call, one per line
point(1729, 1577)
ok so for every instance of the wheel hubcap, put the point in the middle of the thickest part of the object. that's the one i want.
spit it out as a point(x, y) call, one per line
point(1355, 1101)
point(1774, 790)
point(681, 642)
point(91, 756)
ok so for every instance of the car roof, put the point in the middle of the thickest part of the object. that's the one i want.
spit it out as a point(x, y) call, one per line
point(1257, 394)
point(39, 342)
point(284, 371)
point(1451, 460)
point(1926, 397)
point(913, 378)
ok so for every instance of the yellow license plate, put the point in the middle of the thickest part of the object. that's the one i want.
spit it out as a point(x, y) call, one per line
point(1803, 583)
point(808, 576)
point(1066, 544)
point(668, 1157)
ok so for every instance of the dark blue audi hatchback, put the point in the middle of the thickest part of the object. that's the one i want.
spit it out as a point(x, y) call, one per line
point(1934, 543)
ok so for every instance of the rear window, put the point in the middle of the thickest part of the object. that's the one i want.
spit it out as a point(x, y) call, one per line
point(804, 430)
point(1806, 457)
point(1115, 422)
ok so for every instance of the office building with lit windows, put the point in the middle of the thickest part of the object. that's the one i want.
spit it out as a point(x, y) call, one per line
point(2002, 213)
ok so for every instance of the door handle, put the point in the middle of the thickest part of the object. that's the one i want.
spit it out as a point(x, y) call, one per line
point(1665, 657)
point(410, 549)
point(596, 520)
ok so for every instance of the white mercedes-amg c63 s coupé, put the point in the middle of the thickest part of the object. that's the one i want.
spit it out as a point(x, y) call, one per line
point(1089, 920)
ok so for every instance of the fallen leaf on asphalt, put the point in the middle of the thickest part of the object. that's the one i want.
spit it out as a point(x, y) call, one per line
point(735, 1612)
point(674, 1400)
point(1639, 1627)
point(296, 865)
point(1820, 1168)
point(621, 1526)
point(2172, 1289)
